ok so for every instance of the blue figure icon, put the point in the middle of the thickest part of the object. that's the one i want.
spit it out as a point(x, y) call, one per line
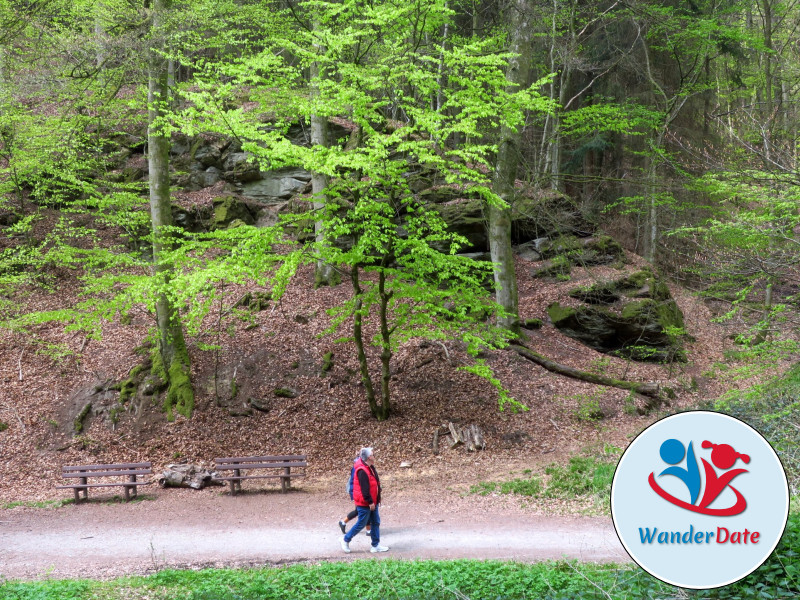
point(672, 452)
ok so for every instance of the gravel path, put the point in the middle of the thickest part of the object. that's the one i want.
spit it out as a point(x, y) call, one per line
point(189, 529)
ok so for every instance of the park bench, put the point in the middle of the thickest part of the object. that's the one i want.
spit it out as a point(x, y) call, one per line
point(85, 472)
point(248, 463)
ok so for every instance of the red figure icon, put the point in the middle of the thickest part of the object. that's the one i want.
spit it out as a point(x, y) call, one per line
point(724, 457)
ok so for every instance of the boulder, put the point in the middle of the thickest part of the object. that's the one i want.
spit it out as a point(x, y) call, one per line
point(276, 186)
point(537, 213)
point(228, 209)
point(193, 220)
point(635, 317)
point(584, 252)
point(240, 168)
point(465, 217)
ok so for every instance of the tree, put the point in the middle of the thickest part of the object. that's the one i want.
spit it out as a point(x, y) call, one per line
point(171, 344)
point(505, 170)
point(370, 64)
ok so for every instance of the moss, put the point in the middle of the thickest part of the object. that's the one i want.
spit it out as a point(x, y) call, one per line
point(558, 313)
point(320, 280)
point(158, 365)
point(327, 362)
point(228, 210)
point(286, 393)
point(180, 395)
point(560, 265)
point(532, 323)
point(114, 414)
point(196, 144)
point(77, 425)
point(604, 292)
point(666, 313)
point(3, 426)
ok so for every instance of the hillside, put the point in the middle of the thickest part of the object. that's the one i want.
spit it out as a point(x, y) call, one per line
point(46, 383)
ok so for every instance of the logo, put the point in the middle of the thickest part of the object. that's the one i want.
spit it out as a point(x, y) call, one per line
point(699, 499)
point(723, 456)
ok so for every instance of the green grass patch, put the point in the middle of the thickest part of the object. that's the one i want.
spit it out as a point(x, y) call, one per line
point(582, 477)
point(779, 577)
point(365, 580)
point(38, 504)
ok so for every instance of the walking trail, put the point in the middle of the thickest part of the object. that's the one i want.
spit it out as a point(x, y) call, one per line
point(191, 529)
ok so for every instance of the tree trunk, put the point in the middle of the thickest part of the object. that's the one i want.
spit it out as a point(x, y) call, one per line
point(358, 338)
point(652, 390)
point(175, 368)
point(505, 173)
point(386, 349)
point(324, 273)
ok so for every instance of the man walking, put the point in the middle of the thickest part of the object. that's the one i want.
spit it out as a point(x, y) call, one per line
point(367, 496)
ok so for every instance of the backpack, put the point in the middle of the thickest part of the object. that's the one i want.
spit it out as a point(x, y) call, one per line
point(350, 481)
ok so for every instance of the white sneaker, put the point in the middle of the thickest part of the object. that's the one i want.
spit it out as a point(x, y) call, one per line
point(379, 548)
point(345, 546)
point(367, 533)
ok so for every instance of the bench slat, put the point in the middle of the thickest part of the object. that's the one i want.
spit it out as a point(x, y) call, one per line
point(229, 467)
point(116, 467)
point(234, 478)
point(289, 457)
point(107, 473)
point(88, 485)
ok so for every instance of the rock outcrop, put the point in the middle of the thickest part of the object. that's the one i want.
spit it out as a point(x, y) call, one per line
point(635, 317)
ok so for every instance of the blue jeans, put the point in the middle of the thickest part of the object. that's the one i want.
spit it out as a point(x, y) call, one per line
point(365, 515)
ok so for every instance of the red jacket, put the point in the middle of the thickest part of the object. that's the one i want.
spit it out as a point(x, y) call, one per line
point(373, 495)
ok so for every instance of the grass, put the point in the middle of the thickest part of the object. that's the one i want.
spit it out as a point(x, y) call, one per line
point(34, 504)
point(778, 578)
point(366, 580)
point(583, 477)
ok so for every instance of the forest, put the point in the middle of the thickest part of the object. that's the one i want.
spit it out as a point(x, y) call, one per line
point(238, 227)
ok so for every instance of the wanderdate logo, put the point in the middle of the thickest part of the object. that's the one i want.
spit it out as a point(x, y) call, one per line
point(723, 457)
point(699, 499)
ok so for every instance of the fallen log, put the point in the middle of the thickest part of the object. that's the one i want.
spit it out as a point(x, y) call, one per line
point(654, 391)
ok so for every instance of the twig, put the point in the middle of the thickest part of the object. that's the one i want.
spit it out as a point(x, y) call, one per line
point(16, 414)
point(446, 353)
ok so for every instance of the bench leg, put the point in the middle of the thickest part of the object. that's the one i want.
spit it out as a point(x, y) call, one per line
point(77, 495)
point(286, 481)
point(131, 488)
point(127, 493)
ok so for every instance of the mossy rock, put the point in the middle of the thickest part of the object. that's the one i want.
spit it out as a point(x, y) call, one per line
point(642, 330)
point(532, 323)
point(555, 268)
point(466, 219)
point(590, 251)
point(600, 293)
point(229, 209)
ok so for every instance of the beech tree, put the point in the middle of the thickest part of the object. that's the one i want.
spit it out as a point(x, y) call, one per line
point(172, 350)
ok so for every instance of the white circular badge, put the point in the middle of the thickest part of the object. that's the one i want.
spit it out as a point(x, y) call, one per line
point(699, 499)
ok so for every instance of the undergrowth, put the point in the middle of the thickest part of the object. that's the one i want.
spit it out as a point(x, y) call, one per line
point(583, 477)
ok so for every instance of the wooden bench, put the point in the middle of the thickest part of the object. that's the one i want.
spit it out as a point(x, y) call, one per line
point(129, 470)
point(247, 463)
